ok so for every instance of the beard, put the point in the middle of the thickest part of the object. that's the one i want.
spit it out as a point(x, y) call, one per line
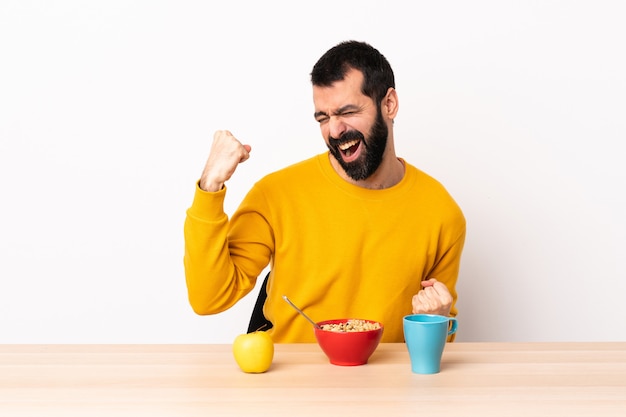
point(373, 149)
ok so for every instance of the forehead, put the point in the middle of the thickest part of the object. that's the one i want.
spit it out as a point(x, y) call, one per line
point(340, 93)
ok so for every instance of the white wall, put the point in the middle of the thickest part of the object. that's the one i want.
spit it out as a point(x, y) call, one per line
point(107, 110)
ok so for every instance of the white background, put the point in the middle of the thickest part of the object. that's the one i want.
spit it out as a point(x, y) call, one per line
point(107, 110)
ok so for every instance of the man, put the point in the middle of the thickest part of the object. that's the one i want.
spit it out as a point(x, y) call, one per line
point(355, 232)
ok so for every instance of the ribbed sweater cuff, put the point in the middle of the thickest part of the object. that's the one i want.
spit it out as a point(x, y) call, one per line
point(207, 206)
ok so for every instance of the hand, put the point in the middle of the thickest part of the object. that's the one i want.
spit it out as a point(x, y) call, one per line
point(434, 298)
point(226, 153)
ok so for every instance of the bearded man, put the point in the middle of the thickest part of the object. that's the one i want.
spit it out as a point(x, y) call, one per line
point(355, 232)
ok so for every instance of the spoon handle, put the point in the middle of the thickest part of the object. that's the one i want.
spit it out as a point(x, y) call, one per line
point(301, 312)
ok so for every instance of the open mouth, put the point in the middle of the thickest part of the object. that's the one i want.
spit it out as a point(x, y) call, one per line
point(350, 150)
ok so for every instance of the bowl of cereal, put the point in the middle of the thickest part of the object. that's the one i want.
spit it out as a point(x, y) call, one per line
point(348, 342)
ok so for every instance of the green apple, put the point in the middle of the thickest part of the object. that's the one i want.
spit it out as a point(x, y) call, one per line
point(254, 352)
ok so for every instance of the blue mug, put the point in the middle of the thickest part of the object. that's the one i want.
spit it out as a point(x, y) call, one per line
point(425, 336)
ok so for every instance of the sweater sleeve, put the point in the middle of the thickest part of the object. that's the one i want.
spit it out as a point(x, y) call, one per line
point(216, 279)
point(447, 269)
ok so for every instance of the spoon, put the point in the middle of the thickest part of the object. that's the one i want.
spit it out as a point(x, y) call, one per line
point(301, 312)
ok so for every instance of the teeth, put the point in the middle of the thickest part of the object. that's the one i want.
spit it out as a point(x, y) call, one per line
point(347, 145)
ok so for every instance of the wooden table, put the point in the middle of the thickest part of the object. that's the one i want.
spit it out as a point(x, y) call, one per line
point(477, 379)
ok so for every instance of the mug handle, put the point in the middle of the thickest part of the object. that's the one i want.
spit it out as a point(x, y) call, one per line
point(453, 325)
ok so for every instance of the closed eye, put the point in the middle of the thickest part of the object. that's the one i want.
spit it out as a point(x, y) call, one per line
point(349, 110)
point(321, 118)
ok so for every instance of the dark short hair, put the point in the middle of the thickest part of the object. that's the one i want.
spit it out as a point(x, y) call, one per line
point(336, 62)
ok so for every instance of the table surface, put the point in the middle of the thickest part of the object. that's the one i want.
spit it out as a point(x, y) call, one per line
point(476, 379)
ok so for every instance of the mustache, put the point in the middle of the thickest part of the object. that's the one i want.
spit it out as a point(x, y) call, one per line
point(346, 137)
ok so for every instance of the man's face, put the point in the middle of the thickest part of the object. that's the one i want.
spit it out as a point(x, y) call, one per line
point(352, 126)
point(360, 155)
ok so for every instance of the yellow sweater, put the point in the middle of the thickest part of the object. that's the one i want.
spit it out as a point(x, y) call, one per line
point(335, 249)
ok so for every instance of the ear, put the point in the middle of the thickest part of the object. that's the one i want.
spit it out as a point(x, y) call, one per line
point(390, 104)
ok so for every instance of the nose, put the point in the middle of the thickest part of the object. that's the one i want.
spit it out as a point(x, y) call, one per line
point(336, 127)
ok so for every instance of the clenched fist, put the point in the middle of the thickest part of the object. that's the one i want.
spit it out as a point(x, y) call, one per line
point(226, 153)
point(434, 298)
